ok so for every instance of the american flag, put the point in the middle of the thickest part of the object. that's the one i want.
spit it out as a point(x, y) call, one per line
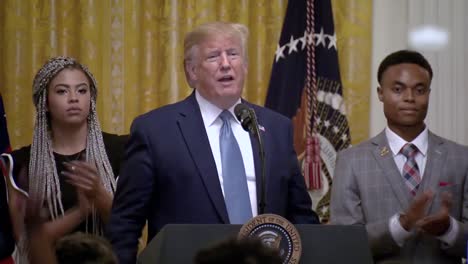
point(305, 86)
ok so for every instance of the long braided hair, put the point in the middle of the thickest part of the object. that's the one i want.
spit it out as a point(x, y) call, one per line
point(44, 184)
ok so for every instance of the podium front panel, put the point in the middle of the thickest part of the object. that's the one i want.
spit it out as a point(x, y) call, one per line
point(324, 244)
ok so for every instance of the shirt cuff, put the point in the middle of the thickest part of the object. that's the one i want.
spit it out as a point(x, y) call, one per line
point(399, 234)
point(450, 236)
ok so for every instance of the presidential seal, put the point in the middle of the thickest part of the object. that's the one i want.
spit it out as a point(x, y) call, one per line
point(276, 232)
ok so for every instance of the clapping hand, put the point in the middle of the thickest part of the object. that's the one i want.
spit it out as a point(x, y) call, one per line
point(438, 223)
point(83, 204)
point(416, 211)
point(84, 176)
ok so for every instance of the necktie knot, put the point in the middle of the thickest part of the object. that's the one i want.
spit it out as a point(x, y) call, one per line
point(225, 116)
point(409, 150)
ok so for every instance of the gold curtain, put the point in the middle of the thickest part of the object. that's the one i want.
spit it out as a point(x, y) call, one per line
point(135, 50)
point(353, 26)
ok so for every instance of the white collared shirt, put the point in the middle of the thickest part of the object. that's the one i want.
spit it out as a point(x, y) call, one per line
point(395, 143)
point(210, 114)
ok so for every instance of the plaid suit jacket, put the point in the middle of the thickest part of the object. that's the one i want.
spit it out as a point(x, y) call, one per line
point(368, 189)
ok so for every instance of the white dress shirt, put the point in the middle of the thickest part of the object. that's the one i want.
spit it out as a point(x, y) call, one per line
point(210, 114)
point(395, 142)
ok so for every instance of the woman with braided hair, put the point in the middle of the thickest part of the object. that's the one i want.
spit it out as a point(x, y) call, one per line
point(69, 172)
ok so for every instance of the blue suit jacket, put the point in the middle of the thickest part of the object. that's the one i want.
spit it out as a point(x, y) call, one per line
point(169, 175)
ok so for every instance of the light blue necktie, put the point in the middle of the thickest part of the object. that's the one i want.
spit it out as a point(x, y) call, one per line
point(236, 193)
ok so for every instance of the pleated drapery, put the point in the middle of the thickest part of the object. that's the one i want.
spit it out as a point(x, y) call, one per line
point(135, 50)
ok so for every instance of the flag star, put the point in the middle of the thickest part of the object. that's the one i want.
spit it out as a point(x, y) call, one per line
point(292, 44)
point(318, 120)
point(344, 137)
point(279, 52)
point(320, 38)
point(326, 123)
point(324, 209)
point(332, 39)
point(303, 40)
point(335, 129)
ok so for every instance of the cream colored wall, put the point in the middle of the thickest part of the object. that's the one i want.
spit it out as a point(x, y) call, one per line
point(392, 20)
point(388, 34)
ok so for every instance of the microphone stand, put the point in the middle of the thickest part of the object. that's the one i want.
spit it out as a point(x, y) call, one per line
point(256, 131)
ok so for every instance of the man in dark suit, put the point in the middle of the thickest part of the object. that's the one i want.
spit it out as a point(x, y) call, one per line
point(176, 169)
point(406, 185)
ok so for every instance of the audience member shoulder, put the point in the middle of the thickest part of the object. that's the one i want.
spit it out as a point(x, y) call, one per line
point(21, 155)
point(114, 138)
point(449, 144)
point(367, 145)
point(115, 149)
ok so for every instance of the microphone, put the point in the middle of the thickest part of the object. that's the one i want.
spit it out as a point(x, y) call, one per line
point(244, 116)
point(248, 119)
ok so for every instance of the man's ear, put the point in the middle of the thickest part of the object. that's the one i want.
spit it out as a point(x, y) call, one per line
point(190, 70)
point(380, 93)
point(190, 73)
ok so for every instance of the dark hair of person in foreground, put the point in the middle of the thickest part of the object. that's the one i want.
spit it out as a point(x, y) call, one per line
point(244, 251)
point(80, 248)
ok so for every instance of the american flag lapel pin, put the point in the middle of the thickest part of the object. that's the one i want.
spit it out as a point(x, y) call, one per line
point(262, 128)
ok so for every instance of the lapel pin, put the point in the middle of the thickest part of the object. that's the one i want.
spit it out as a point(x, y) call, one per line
point(384, 151)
